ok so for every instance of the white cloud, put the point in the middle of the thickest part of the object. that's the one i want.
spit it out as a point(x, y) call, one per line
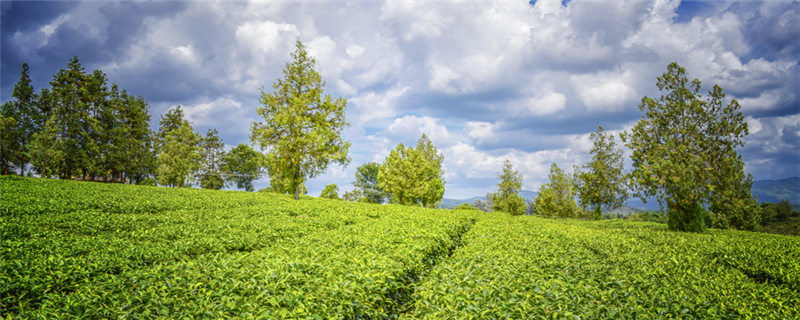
point(355, 50)
point(479, 130)
point(373, 106)
point(604, 90)
point(410, 128)
point(549, 103)
point(263, 37)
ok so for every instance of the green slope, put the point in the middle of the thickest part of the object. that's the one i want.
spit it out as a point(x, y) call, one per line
point(777, 190)
point(80, 249)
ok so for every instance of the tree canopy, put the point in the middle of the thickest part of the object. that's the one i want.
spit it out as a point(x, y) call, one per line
point(507, 198)
point(301, 126)
point(556, 198)
point(242, 165)
point(413, 177)
point(367, 183)
point(179, 150)
point(601, 182)
point(685, 151)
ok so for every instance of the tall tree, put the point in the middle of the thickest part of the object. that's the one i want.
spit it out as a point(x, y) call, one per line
point(507, 198)
point(135, 139)
point(684, 149)
point(17, 127)
point(213, 151)
point(601, 182)
point(242, 165)
point(556, 198)
point(410, 178)
point(302, 126)
point(45, 153)
point(432, 155)
point(367, 183)
point(73, 118)
point(179, 152)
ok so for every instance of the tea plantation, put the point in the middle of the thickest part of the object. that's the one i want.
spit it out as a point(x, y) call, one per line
point(89, 250)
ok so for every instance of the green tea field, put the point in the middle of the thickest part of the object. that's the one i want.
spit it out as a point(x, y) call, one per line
point(89, 250)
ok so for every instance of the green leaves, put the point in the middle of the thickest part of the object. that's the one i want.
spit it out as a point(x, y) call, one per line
point(507, 198)
point(113, 251)
point(556, 198)
point(531, 268)
point(684, 153)
point(301, 127)
point(601, 182)
point(79, 249)
point(413, 176)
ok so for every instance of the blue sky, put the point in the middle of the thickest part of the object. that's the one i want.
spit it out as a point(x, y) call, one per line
point(525, 81)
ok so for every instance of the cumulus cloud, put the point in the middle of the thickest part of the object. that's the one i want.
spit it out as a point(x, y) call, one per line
point(487, 81)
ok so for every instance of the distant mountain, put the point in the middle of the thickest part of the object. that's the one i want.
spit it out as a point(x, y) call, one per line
point(777, 190)
point(765, 190)
point(452, 203)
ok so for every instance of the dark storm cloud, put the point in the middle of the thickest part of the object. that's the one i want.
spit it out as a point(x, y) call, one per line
point(95, 32)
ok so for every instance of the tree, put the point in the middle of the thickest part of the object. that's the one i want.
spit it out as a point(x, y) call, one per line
point(330, 191)
point(242, 165)
point(465, 206)
point(301, 129)
point(684, 150)
point(507, 198)
point(367, 183)
point(210, 174)
point(602, 182)
point(179, 153)
point(353, 195)
point(73, 110)
point(126, 139)
point(45, 155)
point(556, 198)
point(410, 178)
point(425, 147)
point(487, 205)
point(17, 124)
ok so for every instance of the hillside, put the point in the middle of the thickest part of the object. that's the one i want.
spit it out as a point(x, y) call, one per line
point(777, 190)
point(91, 250)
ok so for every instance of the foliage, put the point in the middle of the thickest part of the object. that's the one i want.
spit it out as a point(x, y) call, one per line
point(556, 198)
point(242, 165)
point(601, 182)
point(367, 183)
point(684, 152)
point(649, 216)
point(179, 152)
point(330, 191)
point(79, 128)
point(354, 195)
point(212, 153)
point(532, 268)
point(17, 118)
point(465, 206)
point(507, 198)
point(301, 127)
point(775, 212)
point(120, 251)
point(411, 177)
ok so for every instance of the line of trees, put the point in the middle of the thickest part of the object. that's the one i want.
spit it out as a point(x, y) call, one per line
point(684, 154)
point(82, 128)
point(684, 149)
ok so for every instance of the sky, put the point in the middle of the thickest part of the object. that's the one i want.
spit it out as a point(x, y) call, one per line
point(486, 81)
